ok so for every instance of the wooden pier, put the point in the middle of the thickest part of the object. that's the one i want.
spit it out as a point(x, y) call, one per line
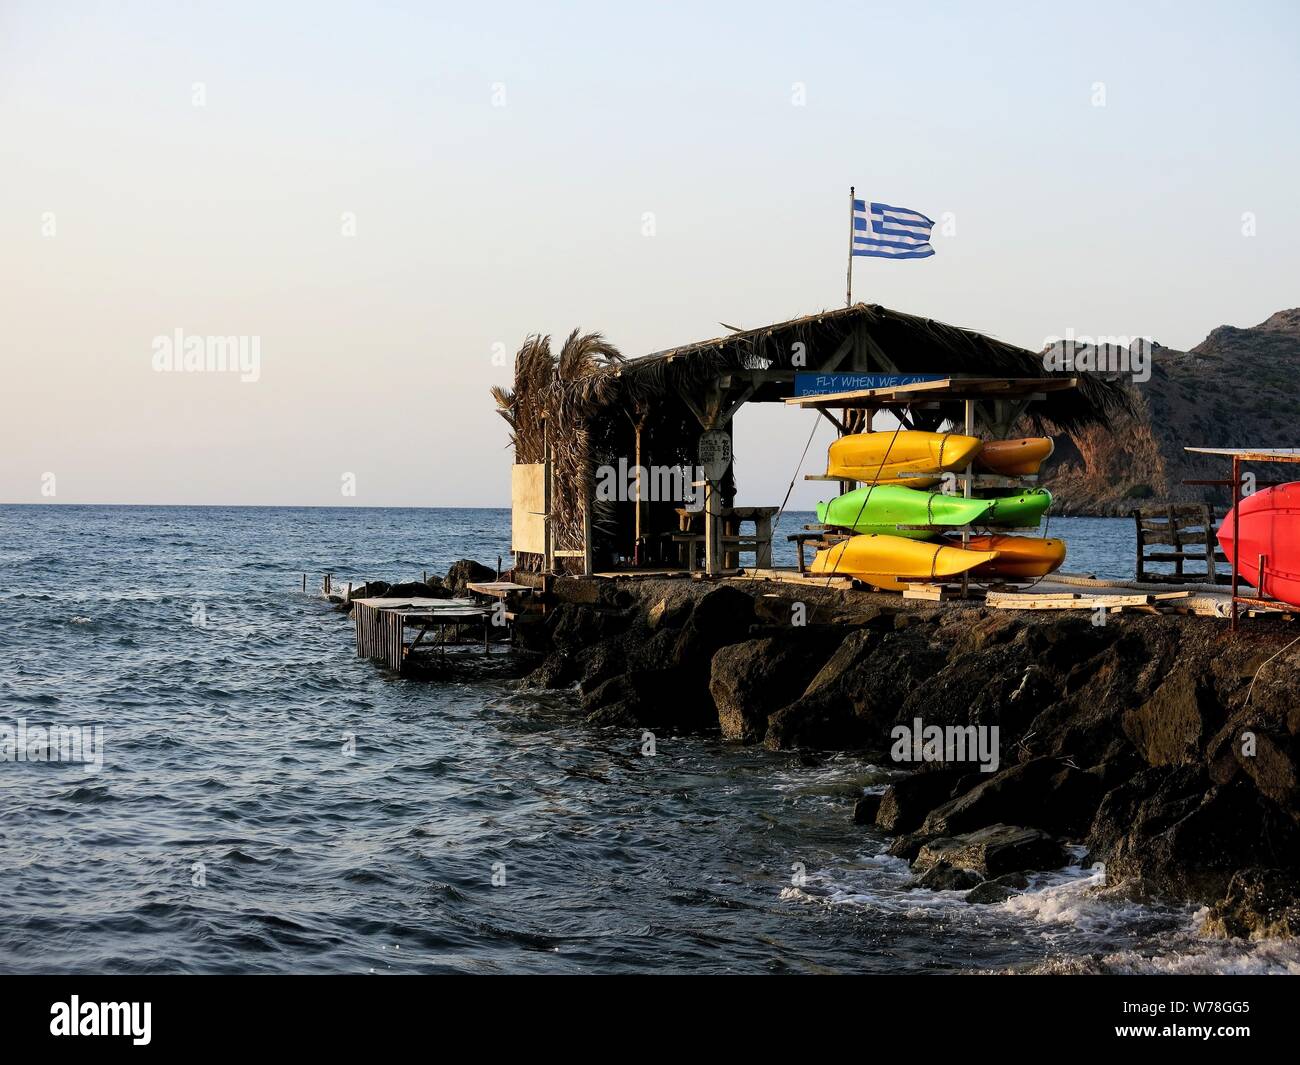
point(382, 623)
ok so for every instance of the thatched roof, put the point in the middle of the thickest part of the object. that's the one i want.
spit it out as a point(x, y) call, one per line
point(912, 343)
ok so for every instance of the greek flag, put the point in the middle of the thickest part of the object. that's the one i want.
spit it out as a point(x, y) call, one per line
point(890, 232)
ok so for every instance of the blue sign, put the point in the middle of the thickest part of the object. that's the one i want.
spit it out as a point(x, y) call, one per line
point(820, 384)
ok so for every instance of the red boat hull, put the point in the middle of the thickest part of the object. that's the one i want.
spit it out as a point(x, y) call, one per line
point(1268, 527)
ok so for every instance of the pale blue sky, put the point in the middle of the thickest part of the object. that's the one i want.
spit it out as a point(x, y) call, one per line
point(477, 224)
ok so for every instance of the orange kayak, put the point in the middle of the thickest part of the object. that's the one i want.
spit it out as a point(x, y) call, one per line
point(1014, 458)
point(1017, 556)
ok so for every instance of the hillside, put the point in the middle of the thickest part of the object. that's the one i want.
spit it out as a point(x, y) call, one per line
point(1236, 388)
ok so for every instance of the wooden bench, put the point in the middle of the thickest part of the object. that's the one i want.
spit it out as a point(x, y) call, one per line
point(819, 539)
point(1180, 533)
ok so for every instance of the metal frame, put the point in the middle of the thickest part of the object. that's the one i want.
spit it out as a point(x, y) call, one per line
point(1238, 456)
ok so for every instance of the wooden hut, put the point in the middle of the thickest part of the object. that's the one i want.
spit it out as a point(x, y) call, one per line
point(578, 415)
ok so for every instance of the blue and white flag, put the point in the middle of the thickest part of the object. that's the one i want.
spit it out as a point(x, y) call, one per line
point(890, 232)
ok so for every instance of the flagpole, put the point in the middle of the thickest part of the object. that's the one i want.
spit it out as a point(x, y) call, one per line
point(848, 287)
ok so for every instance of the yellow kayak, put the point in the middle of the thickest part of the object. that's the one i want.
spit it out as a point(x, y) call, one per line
point(1017, 556)
point(885, 458)
point(1015, 458)
point(891, 561)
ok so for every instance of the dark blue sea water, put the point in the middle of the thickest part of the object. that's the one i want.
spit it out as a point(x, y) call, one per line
point(229, 829)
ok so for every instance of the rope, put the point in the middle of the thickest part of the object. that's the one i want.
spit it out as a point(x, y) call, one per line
point(867, 498)
point(1250, 691)
point(781, 513)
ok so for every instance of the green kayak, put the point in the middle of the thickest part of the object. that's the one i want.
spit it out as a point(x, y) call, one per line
point(882, 508)
point(1024, 510)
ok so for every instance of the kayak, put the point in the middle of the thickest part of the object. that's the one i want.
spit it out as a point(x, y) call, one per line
point(1269, 523)
point(889, 561)
point(1018, 556)
point(1023, 510)
point(881, 508)
point(887, 458)
point(1014, 458)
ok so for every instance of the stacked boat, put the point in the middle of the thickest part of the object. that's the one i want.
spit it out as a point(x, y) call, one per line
point(903, 531)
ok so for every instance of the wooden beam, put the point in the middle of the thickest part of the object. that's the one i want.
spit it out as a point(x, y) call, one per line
point(730, 412)
point(833, 363)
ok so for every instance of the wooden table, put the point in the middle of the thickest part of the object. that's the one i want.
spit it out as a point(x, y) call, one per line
point(760, 543)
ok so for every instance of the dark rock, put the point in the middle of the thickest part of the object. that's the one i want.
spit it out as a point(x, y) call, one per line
point(656, 698)
point(975, 689)
point(908, 845)
point(993, 851)
point(575, 627)
point(463, 572)
point(1041, 793)
point(1064, 642)
point(998, 890)
point(944, 877)
point(1259, 904)
point(558, 670)
point(1171, 727)
point(1174, 832)
point(418, 590)
point(969, 633)
point(721, 616)
point(906, 802)
point(865, 809)
point(670, 615)
point(853, 700)
point(750, 680)
point(530, 633)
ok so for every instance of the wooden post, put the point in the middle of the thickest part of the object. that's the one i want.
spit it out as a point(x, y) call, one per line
point(1236, 535)
point(349, 598)
point(763, 532)
point(587, 562)
point(966, 491)
point(548, 556)
point(304, 582)
point(636, 542)
point(327, 584)
point(1176, 540)
point(1207, 523)
point(712, 539)
point(1140, 569)
point(848, 285)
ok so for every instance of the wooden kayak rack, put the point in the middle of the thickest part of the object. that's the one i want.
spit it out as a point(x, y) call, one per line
point(993, 404)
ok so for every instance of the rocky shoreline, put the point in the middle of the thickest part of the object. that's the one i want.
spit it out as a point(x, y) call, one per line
point(1156, 743)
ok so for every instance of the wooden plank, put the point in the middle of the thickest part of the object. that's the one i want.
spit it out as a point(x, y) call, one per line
point(1027, 601)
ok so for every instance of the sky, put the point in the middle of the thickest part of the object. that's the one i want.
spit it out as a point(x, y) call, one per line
point(387, 198)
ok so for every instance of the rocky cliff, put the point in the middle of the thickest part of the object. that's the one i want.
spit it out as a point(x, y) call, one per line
point(1237, 388)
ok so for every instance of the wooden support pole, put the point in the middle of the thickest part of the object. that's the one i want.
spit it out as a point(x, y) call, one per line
point(1236, 536)
point(548, 556)
point(966, 491)
point(637, 533)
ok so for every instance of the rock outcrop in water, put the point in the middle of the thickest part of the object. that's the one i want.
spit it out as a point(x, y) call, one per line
point(1234, 389)
point(1156, 742)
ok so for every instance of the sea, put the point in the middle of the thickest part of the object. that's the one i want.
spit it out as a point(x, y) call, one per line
point(260, 800)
